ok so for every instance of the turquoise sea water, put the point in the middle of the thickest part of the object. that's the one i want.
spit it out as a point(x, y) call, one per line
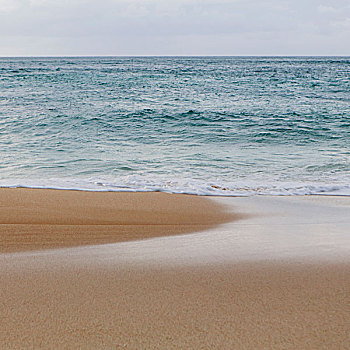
point(203, 125)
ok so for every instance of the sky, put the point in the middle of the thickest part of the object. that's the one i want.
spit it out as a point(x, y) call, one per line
point(174, 27)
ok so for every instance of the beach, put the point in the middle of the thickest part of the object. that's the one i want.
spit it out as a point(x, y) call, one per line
point(33, 219)
point(153, 270)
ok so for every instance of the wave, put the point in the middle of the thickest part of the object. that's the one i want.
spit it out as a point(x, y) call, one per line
point(183, 186)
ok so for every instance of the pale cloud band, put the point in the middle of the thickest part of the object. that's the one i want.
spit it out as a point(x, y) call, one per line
point(174, 27)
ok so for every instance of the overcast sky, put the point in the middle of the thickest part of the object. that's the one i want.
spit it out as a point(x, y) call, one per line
point(174, 27)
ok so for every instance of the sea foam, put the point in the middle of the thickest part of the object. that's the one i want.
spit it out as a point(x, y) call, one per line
point(185, 186)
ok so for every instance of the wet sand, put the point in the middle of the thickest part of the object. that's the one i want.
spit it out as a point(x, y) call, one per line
point(205, 290)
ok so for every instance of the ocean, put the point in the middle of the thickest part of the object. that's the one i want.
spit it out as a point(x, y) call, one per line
point(198, 125)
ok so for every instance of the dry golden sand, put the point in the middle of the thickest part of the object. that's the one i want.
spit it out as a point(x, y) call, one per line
point(252, 306)
point(32, 219)
point(61, 303)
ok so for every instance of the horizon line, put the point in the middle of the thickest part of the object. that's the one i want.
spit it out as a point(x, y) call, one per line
point(141, 56)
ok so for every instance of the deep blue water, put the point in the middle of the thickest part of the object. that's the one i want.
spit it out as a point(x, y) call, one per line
point(206, 125)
